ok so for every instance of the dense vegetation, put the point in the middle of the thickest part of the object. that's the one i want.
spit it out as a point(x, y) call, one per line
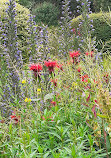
point(34, 5)
point(55, 83)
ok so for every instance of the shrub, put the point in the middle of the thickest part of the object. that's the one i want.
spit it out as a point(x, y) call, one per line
point(22, 18)
point(102, 29)
point(46, 13)
point(26, 3)
point(98, 4)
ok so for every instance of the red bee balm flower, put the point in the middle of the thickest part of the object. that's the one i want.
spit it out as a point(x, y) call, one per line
point(60, 66)
point(36, 67)
point(89, 54)
point(79, 69)
point(15, 119)
point(74, 55)
point(55, 82)
point(50, 65)
point(84, 78)
point(53, 103)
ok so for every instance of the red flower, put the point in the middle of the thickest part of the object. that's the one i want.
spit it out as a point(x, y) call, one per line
point(53, 103)
point(79, 33)
point(15, 118)
point(2, 121)
point(74, 31)
point(106, 78)
point(36, 67)
point(50, 65)
point(87, 99)
point(89, 54)
point(85, 105)
point(94, 111)
point(74, 54)
point(95, 81)
point(43, 118)
point(60, 66)
point(84, 78)
point(47, 119)
point(87, 86)
point(55, 82)
point(96, 101)
point(79, 69)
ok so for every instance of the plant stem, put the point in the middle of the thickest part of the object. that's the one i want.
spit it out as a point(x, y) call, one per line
point(104, 138)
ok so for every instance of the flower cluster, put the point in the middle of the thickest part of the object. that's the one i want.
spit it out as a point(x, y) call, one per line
point(15, 119)
point(89, 53)
point(27, 100)
point(36, 68)
point(84, 78)
point(74, 55)
point(51, 65)
point(47, 118)
point(53, 103)
point(106, 78)
point(60, 66)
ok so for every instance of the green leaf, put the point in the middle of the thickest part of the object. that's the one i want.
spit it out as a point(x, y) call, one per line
point(35, 99)
point(48, 96)
point(46, 154)
point(108, 143)
point(102, 116)
point(55, 134)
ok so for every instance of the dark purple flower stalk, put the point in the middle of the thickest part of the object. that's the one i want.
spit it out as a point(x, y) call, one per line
point(12, 58)
point(87, 26)
point(32, 40)
point(37, 41)
point(65, 39)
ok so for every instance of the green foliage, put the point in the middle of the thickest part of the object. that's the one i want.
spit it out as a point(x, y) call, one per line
point(98, 4)
point(102, 29)
point(69, 119)
point(46, 13)
point(68, 129)
point(26, 3)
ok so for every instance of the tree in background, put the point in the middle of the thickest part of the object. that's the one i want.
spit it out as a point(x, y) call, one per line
point(47, 10)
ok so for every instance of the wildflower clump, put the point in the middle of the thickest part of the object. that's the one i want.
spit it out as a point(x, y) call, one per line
point(51, 65)
point(89, 53)
point(36, 68)
point(74, 55)
point(84, 78)
point(27, 100)
point(14, 118)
